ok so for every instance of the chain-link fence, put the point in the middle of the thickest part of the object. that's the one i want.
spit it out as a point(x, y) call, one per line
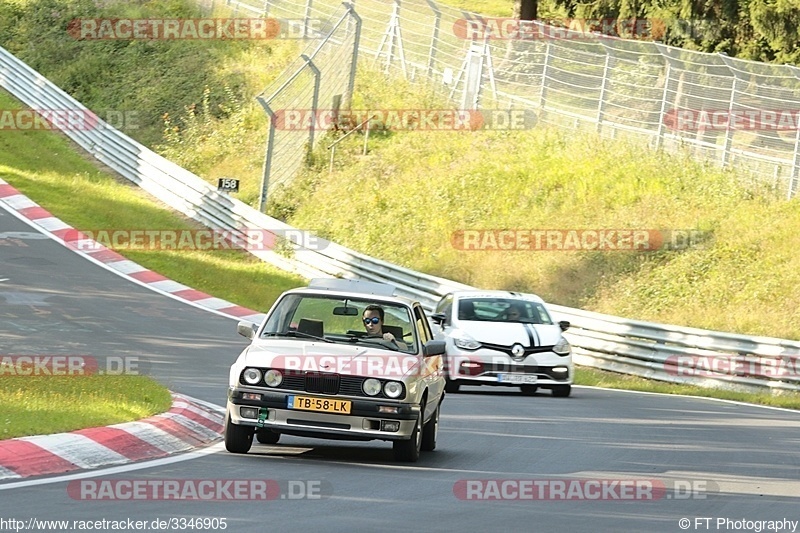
point(737, 113)
point(315, 84)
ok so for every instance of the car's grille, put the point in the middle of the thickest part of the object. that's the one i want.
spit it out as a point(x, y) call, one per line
point(322, 383)
point(507, 349)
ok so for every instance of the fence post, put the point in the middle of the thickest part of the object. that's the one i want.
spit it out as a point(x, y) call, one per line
point(266, 8)
point(543, 91)
point(795, 175)
point(262, 202)
point(434, 37)
point(354, 61)
point(314, 102)
point(662, 116)
point(393, 33)
point(473, 74)
point(603, 87)
point(726, 151)
point(307, 18)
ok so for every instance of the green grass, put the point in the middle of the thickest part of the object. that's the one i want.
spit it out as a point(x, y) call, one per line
point(36, 405)
point(609, 380)
point(405, 200)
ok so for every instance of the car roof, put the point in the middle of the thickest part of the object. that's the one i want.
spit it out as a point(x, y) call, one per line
point(353, 288)
point(508, 295)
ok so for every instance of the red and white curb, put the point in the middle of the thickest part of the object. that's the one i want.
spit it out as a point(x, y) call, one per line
point(31, 212)
point(186, 426)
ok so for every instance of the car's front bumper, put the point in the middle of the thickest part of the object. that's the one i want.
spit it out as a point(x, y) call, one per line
point(489, 367)
point(364, 422)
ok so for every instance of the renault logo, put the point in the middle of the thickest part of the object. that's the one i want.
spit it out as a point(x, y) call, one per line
point(517, 350)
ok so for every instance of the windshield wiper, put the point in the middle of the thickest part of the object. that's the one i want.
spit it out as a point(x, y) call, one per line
point(294, 333)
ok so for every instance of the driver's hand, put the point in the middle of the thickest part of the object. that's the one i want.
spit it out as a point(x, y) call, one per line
point(388, 337)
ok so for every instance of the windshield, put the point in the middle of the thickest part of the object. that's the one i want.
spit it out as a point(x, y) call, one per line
point(340, 320)
point(503, 310)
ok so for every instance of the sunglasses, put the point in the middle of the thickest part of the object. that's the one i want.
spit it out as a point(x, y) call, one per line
point(373, 320)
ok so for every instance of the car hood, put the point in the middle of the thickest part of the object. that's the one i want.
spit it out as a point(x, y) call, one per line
point(508, 333)
point(329, 357)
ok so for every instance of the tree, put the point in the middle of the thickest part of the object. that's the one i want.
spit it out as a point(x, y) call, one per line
point(526, 9)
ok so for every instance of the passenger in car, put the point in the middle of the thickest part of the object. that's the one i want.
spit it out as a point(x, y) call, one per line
point(513, 313)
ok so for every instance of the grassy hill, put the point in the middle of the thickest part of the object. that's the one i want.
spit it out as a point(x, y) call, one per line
point(404, 201)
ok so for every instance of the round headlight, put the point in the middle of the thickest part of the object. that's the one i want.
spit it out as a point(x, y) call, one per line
point(393, 389)
point(371, 387)
point(252, 375)
point(273, 378)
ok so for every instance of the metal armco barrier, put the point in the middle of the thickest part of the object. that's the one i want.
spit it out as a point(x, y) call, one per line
point(663, 352)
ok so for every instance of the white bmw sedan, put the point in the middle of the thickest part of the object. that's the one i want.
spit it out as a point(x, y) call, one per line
point(503, 338)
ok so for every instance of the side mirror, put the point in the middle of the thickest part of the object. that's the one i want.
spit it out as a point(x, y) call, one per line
point(564, 325)
point(434, 348)
point(438, 318)
point(246, 329)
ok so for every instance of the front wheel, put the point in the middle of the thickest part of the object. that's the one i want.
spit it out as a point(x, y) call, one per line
point(238, 439)
point(561, 391)
point(407, 451)
point(451, 386)
point(430, 432)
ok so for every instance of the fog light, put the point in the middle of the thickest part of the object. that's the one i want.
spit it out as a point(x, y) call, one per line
point(560, 370)
point(388, 409)
point(390, 425)
point(248, 412)
point(251, 396)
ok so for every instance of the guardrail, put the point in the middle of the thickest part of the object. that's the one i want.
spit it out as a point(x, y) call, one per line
point(657, 351)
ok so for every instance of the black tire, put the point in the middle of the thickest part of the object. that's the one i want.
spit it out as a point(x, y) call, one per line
point(238, 439)
point(528, 390)
point(562, 391)
point(267, 436)
point(430, 432)
point(451, 386)
point(407, 451)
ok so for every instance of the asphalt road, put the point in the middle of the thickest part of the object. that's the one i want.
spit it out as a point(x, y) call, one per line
point(685, 458)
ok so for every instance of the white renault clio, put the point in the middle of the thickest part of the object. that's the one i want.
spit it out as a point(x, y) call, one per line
point(503, 338)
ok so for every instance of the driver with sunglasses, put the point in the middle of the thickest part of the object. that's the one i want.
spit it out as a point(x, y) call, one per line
point(373, 322)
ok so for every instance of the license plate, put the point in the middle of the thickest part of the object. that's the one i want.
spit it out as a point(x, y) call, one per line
point(517, 379)
point(307, 403)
